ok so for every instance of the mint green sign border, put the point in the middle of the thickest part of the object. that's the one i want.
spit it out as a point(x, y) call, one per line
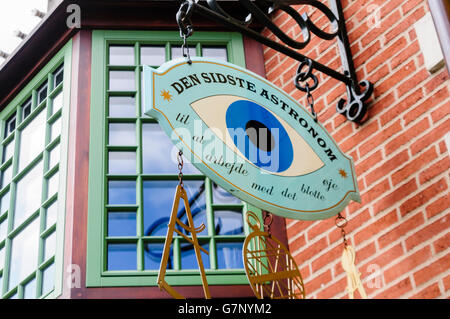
point(305, 207)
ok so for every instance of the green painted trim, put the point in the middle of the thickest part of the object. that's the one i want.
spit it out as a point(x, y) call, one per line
point(96, 275)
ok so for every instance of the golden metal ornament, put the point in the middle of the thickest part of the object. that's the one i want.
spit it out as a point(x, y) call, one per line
point(181, 194)
point(270, 268)
point(348, 262)
point(353, 276)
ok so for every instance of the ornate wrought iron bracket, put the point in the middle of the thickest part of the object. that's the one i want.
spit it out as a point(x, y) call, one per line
point(353, 108)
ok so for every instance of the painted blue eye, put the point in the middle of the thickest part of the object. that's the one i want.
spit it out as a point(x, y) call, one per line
point(259, 136)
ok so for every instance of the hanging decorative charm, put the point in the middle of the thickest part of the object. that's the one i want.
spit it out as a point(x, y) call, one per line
point(348, 263)
point(270, 268)
point(180, 193)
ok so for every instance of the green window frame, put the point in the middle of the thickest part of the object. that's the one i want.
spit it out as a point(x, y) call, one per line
point(98, 208)
point(34, 134)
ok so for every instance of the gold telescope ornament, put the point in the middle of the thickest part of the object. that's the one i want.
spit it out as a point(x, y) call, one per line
point(270, 268)
point(180, 193)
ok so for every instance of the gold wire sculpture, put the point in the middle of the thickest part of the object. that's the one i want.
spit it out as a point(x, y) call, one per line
point(174, 220)
point(270, 268)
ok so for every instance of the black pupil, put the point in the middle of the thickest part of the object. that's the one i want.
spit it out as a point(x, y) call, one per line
point(260, 135)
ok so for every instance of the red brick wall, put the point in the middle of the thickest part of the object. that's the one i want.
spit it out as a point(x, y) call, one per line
point(400, 231)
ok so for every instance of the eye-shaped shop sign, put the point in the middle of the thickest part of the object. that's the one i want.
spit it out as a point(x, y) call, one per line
point(250, 137)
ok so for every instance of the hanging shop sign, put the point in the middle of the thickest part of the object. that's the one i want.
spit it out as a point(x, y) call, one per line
point(250, 137)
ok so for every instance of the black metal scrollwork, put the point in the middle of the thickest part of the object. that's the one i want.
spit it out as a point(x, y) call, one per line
point(354, 109)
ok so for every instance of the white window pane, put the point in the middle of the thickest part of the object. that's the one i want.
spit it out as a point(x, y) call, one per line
point(3, 230)
point(8, 151)
point(42, 93)
point(122, 163)
point(51, 215)
point(48, 279)
point(2, 257)
point(49, 246)
point(54, 156)
point(122, 134)
point(4, 203)
point(55, 129)
point(53, 185)
point(121, 55)
point(215, 53)
point(32, 140)
point(28, 194)
point(24, 253)
point(122, 106)
point(29, 291)
point(121, 81)
point(6, 176)
point(57, 102)
point(153, 55)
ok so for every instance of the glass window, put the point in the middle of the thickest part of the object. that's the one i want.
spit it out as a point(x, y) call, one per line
point(10, 124)
point(30, 251)
point(121, 81)
point(153, 55)
point(8, 151)
point(54, 156)
point(140, 176)
point(159, 155)
point(122, 106)
point(122, 163)
point(121, 224)
point(218, 53)
point(57, 103)
point(122, 257)
point(6, 176)
point(121, 134)
point(153, 255)
point(4, 203)
point(48, 279)
point(24, 253)
point(29, 193)
point(49, 246)
point(51, 215)
point(221, 196)
point(55, 129)
point(189, 259)
point(3, 230)
point(121, 55)
point(58, 76)
point(53, 184)
point(29, 291)
point(42, 93)
point(122, 193)
point(32, 140)
point(229, 255)
point(26, 109)
point(228, 222)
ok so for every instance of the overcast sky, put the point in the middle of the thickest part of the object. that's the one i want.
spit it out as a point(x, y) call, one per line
point(16, 15)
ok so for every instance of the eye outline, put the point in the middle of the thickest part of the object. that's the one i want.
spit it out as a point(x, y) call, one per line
point(312, 164)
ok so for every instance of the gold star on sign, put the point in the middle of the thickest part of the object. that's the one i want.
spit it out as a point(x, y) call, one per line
point(166, 95)
point(343, 173)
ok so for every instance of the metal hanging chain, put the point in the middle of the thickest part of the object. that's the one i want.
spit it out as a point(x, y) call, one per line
point(310, 100)
point(340, 223)
point(180, 167)
point(300, 82)
point(184, 23)
point(268, 219)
